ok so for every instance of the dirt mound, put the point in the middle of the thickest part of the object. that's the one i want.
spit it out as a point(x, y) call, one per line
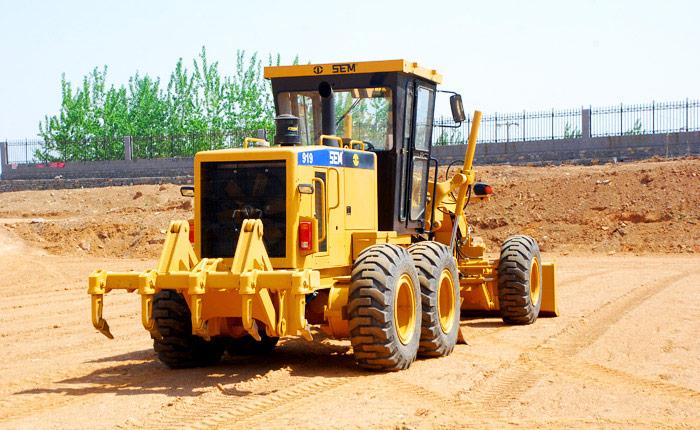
point(113, 221)
point(637, 207)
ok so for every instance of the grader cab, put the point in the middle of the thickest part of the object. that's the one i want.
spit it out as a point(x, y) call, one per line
point(340, 223)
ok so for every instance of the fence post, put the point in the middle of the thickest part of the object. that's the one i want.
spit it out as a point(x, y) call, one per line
point(552, 123)
point(3, 155)
point(128, 150)
point(585, 123)
point(686, 115)
point(524, 125)
point(621, 132)
point(495, 127)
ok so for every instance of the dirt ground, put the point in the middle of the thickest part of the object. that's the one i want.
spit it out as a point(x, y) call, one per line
point(625, 352)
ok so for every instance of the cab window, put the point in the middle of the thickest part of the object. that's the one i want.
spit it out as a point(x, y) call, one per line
point(369, 110)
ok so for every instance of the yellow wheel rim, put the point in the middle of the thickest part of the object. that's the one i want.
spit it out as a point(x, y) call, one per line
point(535, 283)
point(446, 301)
point(405, 309)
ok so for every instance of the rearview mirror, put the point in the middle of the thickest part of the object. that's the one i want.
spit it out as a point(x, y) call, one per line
point(187, 191)
point(457, 108)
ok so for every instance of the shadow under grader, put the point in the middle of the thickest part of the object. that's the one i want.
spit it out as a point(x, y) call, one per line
point(142, 373)
point(480, 323)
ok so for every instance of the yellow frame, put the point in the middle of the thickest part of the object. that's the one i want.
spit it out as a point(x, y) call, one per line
point(356, 67)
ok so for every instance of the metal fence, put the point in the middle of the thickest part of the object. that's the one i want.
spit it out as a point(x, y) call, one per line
point(512, 127)
point(666, 117)
point(31, 151)
point(24, 151)
point(622, 120)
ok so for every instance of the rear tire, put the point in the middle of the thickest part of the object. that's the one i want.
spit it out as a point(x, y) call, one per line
point(178, 347)
point(439, 285)
point(384, 309)
point(520, 280)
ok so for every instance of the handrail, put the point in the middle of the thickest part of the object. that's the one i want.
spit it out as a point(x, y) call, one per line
point(337, 188)
point(330, 137)
point(323, 208)
point(355, 142)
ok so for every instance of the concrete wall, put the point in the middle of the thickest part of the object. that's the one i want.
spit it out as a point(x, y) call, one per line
point(581, 150)
point(57, 184)
point(155, 168)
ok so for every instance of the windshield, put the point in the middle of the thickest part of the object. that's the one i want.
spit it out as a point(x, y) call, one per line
point(360, 114)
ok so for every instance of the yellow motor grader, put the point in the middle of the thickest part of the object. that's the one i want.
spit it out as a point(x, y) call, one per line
point(340, 223)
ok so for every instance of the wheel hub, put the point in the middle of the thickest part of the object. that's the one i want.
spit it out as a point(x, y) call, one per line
point(446, 301)
point(405, 309)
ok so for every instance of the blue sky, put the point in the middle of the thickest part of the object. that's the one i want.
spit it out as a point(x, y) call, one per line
point(501, 55)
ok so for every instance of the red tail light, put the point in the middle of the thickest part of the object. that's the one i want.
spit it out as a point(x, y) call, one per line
point(481, 189)
point(305, 235)
point(191, 230)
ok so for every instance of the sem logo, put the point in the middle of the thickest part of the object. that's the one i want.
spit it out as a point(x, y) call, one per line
point(355, 160)
point(335, 158)
point(318, 70)
point(344, 68)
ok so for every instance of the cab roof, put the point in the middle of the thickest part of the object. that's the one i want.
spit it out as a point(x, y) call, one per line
point(349, 68)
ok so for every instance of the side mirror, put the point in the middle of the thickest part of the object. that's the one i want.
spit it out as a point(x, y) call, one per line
point(187, 191)
point(457, 108)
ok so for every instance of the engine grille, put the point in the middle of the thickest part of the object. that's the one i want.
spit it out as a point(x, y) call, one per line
point(234, 191)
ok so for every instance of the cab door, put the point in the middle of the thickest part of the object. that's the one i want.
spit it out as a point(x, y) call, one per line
point(416, 171)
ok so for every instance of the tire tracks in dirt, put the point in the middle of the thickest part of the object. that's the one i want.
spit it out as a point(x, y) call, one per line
point(41, 398)
point(77, 340)
point(509, 382)
point(486, 332)
point(214, 409)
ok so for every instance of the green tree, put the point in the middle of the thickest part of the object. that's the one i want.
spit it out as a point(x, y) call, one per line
point(195, 111)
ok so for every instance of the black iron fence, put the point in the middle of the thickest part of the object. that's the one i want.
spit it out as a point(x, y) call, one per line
point(512, 127)
point(36, 151)
point(24, 151)
point(666, 117)
point(33, 151)
point(622, 120)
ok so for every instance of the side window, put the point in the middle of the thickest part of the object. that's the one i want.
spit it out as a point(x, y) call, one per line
point(424, 118)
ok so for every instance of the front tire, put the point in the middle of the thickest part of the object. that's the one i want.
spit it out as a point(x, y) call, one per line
point(439, 285)
point(384, 309)
point(178, 348)
point(520, 280)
